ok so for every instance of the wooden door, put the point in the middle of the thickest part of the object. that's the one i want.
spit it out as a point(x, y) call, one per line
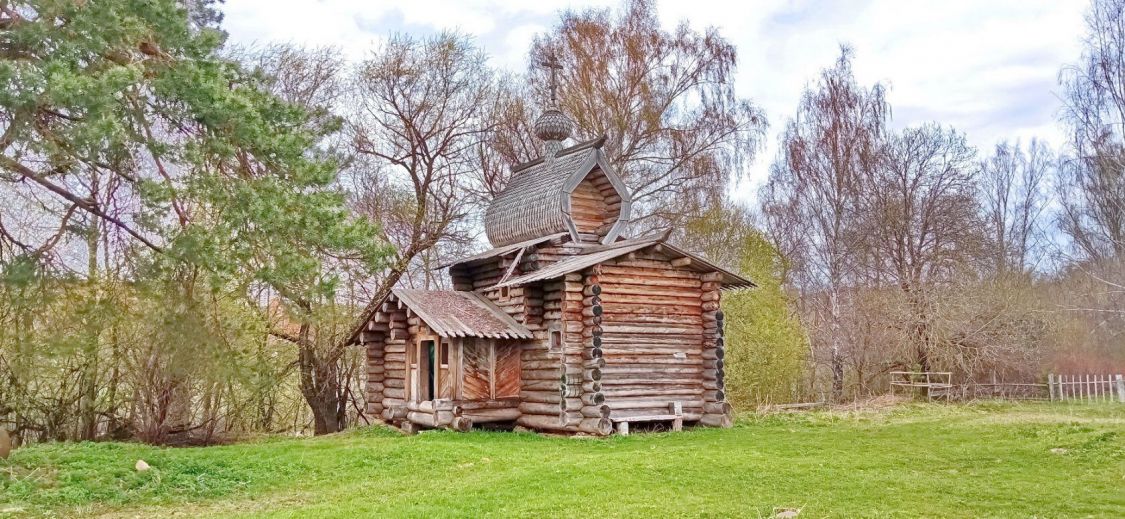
point(476, 362)
point(506, 375)
point(490, 369)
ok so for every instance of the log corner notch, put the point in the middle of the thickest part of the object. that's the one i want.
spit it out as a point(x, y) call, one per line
point(373, 346)
point(716, 411)
point(595, 413)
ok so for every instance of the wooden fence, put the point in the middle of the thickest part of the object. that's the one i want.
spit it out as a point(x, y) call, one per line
point(1089, 388)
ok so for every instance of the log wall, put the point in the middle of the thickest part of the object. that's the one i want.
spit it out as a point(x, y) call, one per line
point(654, 337)
point(540, 369)
point(588, 208)
point(637, 333)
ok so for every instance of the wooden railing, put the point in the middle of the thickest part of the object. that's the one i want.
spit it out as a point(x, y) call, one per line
point(929, 381)
point(1087, 388)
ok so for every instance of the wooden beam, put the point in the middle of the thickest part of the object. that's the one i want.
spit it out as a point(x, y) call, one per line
point(681, 262)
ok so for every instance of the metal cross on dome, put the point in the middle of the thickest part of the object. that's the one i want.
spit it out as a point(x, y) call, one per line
point(552, 62)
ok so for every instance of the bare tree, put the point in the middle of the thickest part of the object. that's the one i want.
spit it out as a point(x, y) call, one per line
point(811, 201)
point(677, 132)
point(1092, 176)
point(921, 219)
point(418, 122)
point(1013, 196)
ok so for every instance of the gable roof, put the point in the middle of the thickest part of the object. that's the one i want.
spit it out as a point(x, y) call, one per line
point(500, 251)
point(455, 313)
point(535, 201)
point(609, 252)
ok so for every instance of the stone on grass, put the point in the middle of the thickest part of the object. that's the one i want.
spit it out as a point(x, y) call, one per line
point(142, 466)
point(786, 513)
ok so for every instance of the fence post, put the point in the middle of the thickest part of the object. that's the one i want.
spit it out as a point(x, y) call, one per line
point(1051, 386)
point(1121, 388)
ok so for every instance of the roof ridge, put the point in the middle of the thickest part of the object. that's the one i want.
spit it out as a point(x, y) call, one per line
point(592, 143)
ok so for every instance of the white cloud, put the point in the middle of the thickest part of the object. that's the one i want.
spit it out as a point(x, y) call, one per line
point(987, 68)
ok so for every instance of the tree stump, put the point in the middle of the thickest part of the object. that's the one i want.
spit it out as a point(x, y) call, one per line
point(5, 444)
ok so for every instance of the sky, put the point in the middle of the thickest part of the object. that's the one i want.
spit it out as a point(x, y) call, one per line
point(989, 68)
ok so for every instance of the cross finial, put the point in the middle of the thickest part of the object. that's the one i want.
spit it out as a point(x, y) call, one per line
point(552, 62)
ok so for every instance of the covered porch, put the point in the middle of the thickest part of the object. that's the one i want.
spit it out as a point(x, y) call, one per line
point(462, 362)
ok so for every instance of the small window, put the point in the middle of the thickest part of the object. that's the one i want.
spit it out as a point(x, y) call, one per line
point(503, 293)
point(444, 354)
point(554, 341)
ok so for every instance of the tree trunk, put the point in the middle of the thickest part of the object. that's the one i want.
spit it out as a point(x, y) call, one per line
point(837, 356)
point(319, 385)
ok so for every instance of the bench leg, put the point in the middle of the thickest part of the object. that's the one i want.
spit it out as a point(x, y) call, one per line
point(678, 424)
point(623, 428)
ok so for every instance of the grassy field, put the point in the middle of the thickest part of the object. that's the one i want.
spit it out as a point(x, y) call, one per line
point(1009, 460)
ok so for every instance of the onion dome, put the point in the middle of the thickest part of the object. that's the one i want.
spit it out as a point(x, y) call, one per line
point(553, 125)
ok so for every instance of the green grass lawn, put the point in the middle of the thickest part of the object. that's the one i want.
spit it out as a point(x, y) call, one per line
point(1017, 460)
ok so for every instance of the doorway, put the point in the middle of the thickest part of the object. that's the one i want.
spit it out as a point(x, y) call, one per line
point(424, 371)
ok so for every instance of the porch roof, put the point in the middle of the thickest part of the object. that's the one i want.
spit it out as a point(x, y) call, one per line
point(456, 313)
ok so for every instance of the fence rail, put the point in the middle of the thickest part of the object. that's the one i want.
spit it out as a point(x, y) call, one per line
point(1090, 388)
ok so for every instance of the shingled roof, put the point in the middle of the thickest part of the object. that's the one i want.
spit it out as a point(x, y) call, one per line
point(535, 202)
point(453, 313)
point(606, 253)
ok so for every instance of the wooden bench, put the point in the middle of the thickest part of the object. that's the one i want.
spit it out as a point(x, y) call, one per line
point(675, 415)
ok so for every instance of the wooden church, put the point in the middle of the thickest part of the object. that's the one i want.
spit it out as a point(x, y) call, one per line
point(565, 325)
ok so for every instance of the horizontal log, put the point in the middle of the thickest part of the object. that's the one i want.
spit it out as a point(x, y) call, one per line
point(539, 408)
point(462, 423)
point(655, 405)
point(641, 286)
point(541, 397)
point(648, 378)
point(716, 420)
point(714, 395)
point(638, 268)
point(596, 426)
point(717, 408)
point(492, 415)
point(470, 405)
point(612, 370)
point(645, 328)
point(425, 419)
point(685, 300)
point(596, 411)
point(654, 392)
point(655, 361)
point(571, 419)
point(395, 413)
point(540, 385)
point(653, 340)
point(713, 353)
point(692, 321)
point(593, 399)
